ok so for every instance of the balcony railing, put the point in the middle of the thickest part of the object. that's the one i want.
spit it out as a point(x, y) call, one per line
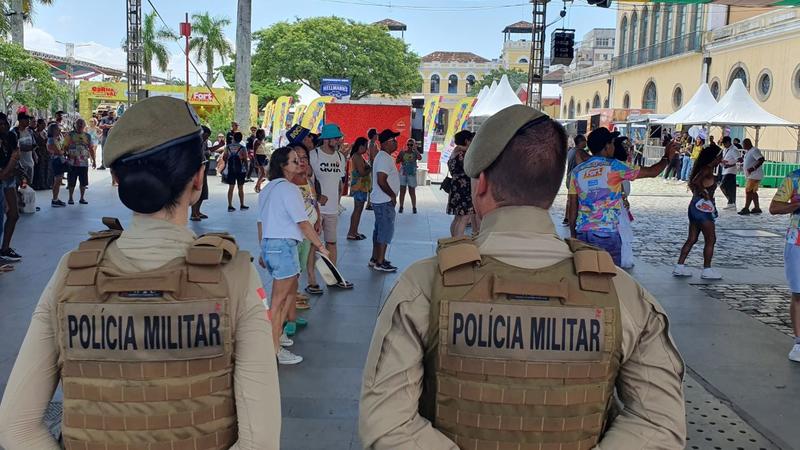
point(691, 42)
point(580, 74)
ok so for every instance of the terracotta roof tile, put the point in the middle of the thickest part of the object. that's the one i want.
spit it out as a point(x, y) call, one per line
point(453, 57)
point(392, 24)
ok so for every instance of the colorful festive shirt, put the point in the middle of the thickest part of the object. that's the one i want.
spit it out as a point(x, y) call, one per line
point(788, 193)
point(359, 183)
point(408, 163)
point(309, 201)
point(598, 184)
point(77, 148)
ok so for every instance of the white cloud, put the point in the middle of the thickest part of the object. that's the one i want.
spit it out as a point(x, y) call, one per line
point(40, 40)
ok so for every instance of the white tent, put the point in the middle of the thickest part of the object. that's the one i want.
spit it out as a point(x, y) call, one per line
point(502, 97)
point(481, 96)
point(305, 95)
point(219, 82)
point(695, 111)
point(479, 106)
point(737, 108)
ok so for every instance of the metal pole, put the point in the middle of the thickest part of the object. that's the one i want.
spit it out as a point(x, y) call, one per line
point(187, 60)
point(536, 62)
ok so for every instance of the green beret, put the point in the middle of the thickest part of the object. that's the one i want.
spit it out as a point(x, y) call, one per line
point(151, 123)
point(493, 136)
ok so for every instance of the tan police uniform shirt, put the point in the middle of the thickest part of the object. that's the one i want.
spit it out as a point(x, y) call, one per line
point(148, 244)
point(649, 382)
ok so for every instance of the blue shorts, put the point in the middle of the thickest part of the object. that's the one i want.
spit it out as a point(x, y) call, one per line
point(408, 180)
point(281, 257)
point(791, 266)
point(609, 241)
point(384, 223)
point(59, 166)
point(359, 196)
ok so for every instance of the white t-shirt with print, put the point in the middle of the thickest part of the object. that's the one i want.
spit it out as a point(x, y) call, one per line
point(750, 159)
point(329, 170)
point(730, 155)
point(384, 163)
point(280, 209)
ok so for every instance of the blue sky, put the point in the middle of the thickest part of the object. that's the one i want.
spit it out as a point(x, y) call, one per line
point(448, 25)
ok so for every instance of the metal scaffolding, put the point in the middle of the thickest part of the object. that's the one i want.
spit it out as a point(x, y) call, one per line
point(536, 64)
point(135, 50)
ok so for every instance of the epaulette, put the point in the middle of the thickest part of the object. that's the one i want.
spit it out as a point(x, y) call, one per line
point(594, 266)
point(457, 258)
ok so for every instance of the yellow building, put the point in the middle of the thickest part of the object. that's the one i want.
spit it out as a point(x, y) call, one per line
point(664, 52)
point(94, 93)
point(517, 50)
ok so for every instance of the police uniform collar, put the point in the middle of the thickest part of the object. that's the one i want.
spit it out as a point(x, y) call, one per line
point(517, 219)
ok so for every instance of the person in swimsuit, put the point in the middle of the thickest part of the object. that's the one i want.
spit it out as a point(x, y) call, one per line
point(702, 212)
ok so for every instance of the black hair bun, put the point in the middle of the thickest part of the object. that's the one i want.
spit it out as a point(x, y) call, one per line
point(135, 184)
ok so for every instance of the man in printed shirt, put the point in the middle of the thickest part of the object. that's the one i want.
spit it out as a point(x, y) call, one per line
point(787, 201)
point(595, 192)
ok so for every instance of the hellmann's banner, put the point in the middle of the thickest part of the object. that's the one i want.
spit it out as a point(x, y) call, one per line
point(430, 114)
point(458, 119)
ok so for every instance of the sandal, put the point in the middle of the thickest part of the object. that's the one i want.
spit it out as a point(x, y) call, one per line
point(314, 289)
point(302, 305)
point(195, 219)
point(6, 268)
point(352, 238)
point(202, 216)
point(344, 284)
point(301, 322)
point(361, 236)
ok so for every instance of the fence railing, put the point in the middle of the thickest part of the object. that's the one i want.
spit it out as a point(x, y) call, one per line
point(691, 42)
point(653, 153)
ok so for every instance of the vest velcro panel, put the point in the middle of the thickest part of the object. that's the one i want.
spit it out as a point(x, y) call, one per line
point(147, 358)
point(518, 358)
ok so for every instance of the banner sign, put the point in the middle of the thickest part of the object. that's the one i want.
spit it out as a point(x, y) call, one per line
point(430, 113)
point(299, 110)
point(458, 119)
point(335, 87)
point(312, 116)
point(269, 109)
point(279, 118)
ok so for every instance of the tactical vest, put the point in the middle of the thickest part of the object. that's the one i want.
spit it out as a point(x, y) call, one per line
point(146, 358)
point(521, 358)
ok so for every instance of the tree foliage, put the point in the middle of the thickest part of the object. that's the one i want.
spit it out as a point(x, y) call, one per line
point(264, 90)
point(516, 78)
point(208, 41)
point(312, 49)
point(219, 119)
point(154, 48)
point(25, 80)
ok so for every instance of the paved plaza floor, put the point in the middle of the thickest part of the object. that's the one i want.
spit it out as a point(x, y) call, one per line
point(741, 390)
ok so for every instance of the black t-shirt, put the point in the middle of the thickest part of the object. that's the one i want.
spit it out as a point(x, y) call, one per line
point(107, 121)
point(250, 140)
point(8, 143)
point(229, 137)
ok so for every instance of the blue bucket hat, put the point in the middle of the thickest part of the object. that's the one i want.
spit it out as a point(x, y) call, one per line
point(296, 134)
point(331, 131)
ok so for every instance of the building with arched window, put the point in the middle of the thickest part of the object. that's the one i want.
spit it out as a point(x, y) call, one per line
point(664, 51)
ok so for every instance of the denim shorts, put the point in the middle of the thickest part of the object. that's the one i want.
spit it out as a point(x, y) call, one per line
point(384, 223)
point(791, 266)
point(408, 180)
point(359, 196)
point(59, 165)
point(281, 257)
point(609, 241)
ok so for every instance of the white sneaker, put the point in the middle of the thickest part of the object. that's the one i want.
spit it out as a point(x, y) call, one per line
point(730, 206)
point(794, 355)
point(287, 357)
point(710, 274)
point(681, 270)
point(285, 341)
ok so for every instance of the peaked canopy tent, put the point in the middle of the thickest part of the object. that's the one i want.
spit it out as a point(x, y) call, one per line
point(502, 97)
point(695, 111)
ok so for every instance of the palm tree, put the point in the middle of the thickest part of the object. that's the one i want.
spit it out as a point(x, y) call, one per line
point(209, 41)
point(24, 10)
point(153, 47)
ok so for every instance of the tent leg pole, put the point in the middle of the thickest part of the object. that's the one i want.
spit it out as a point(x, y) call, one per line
point(758, 129)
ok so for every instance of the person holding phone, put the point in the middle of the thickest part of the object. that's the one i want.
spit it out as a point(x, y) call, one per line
point(408, 158)
point(702, 213)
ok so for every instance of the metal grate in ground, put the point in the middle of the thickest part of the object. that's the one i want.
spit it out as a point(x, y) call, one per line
point(712, 425)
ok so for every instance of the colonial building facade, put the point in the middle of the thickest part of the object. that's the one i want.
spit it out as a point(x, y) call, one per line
point(665, 51)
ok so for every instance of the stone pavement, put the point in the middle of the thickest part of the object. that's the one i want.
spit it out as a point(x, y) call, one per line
point(738, 381)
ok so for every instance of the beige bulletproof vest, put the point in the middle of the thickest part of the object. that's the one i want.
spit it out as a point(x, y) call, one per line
point(147, 358)
point(521, 358)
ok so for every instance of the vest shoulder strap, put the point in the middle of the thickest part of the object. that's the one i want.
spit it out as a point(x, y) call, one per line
point(82, 263)
point(594, 266)
point(206, 253)
point(456, 259)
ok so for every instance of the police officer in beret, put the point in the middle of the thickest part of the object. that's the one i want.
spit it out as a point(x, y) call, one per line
point(158, 337)
point(517, 339)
